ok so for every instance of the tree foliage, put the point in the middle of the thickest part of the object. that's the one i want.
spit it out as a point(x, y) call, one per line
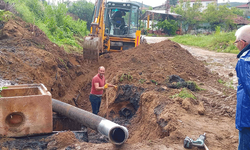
point(191, 16)
point(219, 16)
point(168, 26)
point(84, 10)
point(237, 11)
point(247, 13)
point(53, 20)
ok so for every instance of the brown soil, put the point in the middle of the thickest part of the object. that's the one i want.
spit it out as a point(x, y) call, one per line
point(61, 140)
point(161, 122)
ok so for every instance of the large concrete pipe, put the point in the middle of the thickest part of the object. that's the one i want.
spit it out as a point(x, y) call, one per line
point(116, 133)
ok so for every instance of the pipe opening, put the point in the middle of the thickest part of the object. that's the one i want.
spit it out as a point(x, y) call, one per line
point(15, 119)
point(117, 135)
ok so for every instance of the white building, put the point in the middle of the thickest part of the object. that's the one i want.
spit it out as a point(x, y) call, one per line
point(55, 2)
point(203, 2)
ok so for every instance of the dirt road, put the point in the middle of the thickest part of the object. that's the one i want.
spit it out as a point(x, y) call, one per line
point(222, 63)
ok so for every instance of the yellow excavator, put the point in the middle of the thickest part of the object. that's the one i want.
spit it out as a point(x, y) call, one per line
point(114, 28)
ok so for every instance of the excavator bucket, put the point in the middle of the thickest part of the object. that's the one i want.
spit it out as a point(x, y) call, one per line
point(91, 48)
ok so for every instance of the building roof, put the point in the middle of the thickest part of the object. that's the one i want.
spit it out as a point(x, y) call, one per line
point(160, 12)
point(163, 12)
point(241, 20)
point(201, 0)
point(186, 0)
point(243, 6)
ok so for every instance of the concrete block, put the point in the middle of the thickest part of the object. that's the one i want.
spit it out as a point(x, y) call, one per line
point(25, 110)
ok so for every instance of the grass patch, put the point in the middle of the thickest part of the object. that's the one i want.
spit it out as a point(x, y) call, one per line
point(222, 42)
point(125, 76)
point(155, 82)
point(141, 81)
point(191, 85)
point(196, 87)
point(184, 94)
point(221, 81)
point(227, 84)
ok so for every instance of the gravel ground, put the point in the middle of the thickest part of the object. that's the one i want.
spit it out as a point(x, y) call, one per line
point(6, 82)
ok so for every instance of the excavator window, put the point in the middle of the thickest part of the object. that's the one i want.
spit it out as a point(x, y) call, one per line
point(121, 19)
point(134, 19)
point(118, 22)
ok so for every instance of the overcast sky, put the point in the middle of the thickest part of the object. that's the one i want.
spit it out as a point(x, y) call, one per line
point(154, 3)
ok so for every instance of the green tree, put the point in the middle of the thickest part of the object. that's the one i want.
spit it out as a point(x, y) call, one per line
point(168, 27)
point(219, 16)
point(237, 11)
point(191, 16)
point(84, 10)
point(246, 13)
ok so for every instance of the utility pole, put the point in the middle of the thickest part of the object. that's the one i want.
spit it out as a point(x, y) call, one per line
point(167, 8)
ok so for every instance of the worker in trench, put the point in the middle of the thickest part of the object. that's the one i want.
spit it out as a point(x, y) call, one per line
point(242, 119)
point(98, 85)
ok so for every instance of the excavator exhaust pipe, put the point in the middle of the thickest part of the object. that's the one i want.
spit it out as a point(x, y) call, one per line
point(116, 133)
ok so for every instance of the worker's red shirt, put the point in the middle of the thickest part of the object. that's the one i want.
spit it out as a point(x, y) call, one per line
point(101, 81)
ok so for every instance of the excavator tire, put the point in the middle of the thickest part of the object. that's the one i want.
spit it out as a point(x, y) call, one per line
point(143, 40)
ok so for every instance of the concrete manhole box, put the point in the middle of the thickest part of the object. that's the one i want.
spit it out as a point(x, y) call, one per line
point(25, 110)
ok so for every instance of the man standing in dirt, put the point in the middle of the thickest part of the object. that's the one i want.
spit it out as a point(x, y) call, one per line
point(242, 119)
point(98, 85)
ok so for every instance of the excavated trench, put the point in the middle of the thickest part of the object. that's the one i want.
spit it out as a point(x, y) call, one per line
point(125, 106)
point(129, 96)
point(127, 101)
point(121, 111)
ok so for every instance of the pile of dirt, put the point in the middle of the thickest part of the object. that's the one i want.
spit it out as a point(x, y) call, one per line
point(160, 116)
point(27, 56)
point(61, 140)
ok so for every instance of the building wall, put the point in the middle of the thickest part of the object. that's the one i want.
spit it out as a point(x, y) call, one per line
point(55, 2)
point(204, 4)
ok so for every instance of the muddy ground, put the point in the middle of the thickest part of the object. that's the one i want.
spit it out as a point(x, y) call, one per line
point(159, 120)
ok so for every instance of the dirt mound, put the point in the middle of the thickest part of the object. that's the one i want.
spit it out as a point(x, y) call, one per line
point(156, 62)
point(61, 140)
point(27, 56)
point(159, 116)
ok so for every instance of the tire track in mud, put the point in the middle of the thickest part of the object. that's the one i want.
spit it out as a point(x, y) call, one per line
point(221, 63)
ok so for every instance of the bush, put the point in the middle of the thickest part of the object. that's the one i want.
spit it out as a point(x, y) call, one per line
point(217, 30)
point(168, 27)
point(52, 20)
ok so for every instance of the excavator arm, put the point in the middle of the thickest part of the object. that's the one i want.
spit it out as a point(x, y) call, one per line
point(93, 43)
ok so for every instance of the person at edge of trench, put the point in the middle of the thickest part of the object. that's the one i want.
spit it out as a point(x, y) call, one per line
point(242, 119)
point(98, 85)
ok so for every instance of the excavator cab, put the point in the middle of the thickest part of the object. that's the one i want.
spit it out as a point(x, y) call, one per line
point(114, 29)
point(121, 19)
